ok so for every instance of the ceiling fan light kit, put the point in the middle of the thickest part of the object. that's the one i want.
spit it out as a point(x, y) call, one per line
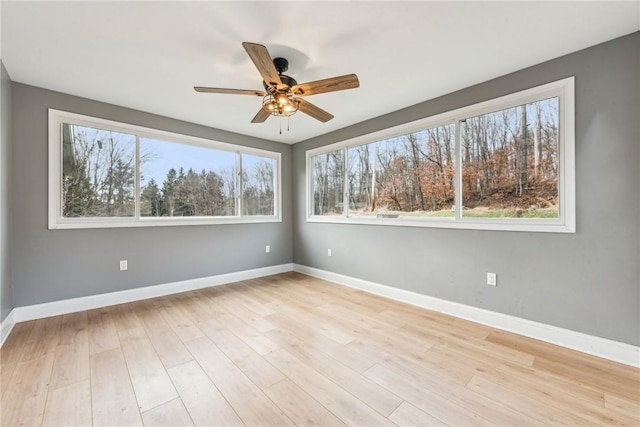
point(283, 96)
point(280, 105)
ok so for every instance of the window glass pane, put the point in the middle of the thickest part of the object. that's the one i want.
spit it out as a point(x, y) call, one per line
point(186, 180)
point(510, 162)
point(437, 171)
point(413, 175)
point(258, 184)
point(361, 179)
point(98, 172)
point(328, 183)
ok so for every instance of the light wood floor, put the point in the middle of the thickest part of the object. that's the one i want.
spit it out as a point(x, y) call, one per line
point(293, 350)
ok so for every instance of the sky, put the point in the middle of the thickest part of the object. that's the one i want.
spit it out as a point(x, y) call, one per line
point(162, 156)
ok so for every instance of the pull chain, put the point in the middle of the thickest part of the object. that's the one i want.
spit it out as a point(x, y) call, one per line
point(281, 124)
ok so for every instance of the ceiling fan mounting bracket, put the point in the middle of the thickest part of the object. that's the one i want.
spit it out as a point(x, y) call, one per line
point(281, 65)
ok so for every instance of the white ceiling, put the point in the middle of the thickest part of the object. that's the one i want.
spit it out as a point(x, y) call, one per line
point(149, 55)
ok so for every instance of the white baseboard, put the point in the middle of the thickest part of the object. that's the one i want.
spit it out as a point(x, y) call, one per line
point(7, 326)
point(601, 347)
point(55, 308)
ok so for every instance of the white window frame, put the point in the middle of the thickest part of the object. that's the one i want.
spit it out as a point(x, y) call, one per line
point(57, 221)
point(565, 223)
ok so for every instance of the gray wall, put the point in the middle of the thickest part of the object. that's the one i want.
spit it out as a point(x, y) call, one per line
point(50, 265)
point(587, 282)
point(6, 299)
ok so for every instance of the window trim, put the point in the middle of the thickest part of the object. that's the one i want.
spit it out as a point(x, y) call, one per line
point(57, 221)
point(565, 223)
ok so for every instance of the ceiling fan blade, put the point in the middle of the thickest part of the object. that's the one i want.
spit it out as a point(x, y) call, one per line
point(263, 62)
point(349, 81)
point(229, 91)
point(261, 116)
point(314, 111)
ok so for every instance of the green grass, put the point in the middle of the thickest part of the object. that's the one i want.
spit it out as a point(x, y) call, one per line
point(470, 213)
point(510, 213)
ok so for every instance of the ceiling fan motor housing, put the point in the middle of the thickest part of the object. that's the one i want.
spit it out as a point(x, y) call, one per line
point(282, 65)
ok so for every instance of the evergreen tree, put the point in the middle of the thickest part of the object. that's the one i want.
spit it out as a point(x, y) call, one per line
point(169, 193)
point(151, 200)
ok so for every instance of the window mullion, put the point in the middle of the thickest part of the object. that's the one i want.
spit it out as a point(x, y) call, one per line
point(240, 184)
point(138, 196)
point(457, 187)
point(345, 187)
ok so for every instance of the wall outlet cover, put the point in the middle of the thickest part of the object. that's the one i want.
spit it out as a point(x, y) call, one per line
point(492, 279)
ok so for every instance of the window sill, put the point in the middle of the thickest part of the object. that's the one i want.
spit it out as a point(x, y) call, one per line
point(154, 222)
point(515, 224)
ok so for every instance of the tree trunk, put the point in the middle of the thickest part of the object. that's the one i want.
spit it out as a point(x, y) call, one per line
point(413, 140)
point(522, 181)
point(537, 146)
point(373, 177)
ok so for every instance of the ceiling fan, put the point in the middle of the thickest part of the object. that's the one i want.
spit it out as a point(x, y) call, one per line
point(283, 96)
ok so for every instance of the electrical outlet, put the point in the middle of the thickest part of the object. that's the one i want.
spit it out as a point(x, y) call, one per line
point(267, 249)
point(328, 252)
point(492, 279)
point(123, 265)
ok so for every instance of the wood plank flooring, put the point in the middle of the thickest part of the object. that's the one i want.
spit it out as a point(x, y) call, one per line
point(293, 350)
